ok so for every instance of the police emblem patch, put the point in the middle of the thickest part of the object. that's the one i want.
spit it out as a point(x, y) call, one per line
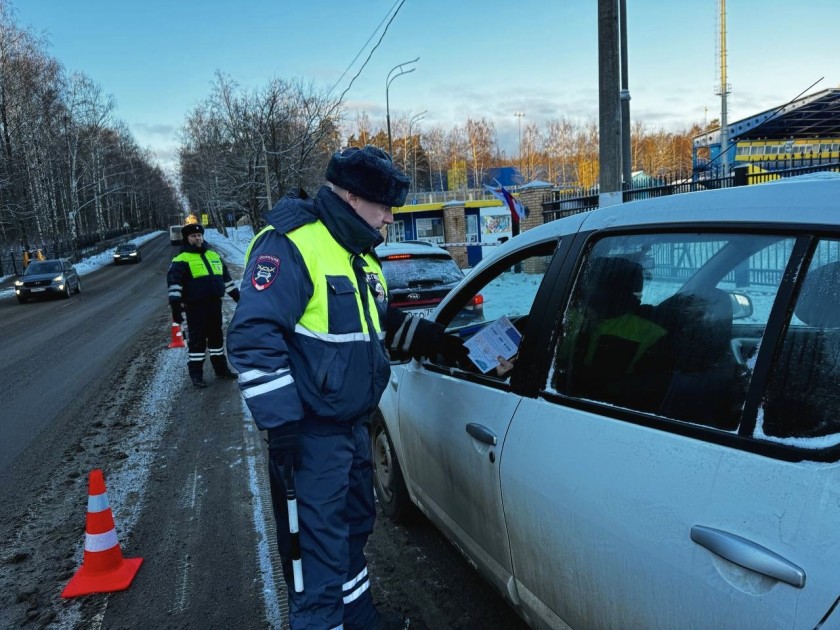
point(265, 271)
point(376, 287)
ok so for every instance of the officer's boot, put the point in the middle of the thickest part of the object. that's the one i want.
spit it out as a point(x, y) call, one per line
point(196, 373)
point(220, 366)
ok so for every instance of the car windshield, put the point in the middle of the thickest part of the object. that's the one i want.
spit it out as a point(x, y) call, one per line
point(124, 249)
point(50, 266)
point(405, 273)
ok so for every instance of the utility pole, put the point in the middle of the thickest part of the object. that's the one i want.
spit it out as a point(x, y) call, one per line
point(609, 110)
point(626, 154)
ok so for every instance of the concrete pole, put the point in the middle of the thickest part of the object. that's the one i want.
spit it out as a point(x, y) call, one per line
point(626, 155)
point(609, 110)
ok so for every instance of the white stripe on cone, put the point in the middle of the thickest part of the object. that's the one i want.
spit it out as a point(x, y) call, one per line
point(98, 502)
point(101, 542)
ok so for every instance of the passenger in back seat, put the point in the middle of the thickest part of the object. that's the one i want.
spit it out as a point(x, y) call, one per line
point(616, 353)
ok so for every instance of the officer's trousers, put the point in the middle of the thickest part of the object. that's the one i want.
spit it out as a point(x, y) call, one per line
point(336, 513)
point(204, 331)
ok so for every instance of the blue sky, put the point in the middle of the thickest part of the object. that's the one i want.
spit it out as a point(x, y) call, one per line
point(478, 58)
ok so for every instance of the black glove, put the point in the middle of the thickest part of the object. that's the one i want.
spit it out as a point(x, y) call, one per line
point(176, 312)
point(453, 350)
point(284, 444)
point(234, 295)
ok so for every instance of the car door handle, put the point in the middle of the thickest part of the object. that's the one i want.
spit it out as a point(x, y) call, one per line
point(482, 433)
point(748, 554)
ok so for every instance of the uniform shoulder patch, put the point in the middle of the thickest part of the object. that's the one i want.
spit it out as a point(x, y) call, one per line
point(265, 271)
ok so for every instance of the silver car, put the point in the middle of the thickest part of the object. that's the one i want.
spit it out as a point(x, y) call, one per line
point(664, 452)
point(48, 278)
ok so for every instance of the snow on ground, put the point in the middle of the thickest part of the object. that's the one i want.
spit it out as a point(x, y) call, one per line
point(232, 248)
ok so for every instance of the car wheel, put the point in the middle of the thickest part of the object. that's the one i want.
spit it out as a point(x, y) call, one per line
point(66, 294)
point(388, 481)
point(139, 258)
point(21, 299)
point(78, 286)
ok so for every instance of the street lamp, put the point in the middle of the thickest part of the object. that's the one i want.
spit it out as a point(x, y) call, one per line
point(411, 122)
point(388, 80)
point(520, 116)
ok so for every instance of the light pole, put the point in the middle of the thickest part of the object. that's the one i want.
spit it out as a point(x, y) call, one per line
point(520, 116)
point(411, 122)
point(388, 80)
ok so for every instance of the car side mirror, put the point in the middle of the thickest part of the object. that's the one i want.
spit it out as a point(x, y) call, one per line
point(742, 305)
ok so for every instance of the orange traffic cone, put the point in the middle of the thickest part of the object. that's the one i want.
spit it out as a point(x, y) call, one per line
point(103, 568)
point(177, 337)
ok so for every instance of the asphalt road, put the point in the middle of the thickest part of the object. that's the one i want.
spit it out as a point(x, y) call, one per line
point(53, 350)
point(88, 383)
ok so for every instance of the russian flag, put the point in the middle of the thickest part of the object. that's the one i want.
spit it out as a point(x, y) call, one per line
point(517, 211)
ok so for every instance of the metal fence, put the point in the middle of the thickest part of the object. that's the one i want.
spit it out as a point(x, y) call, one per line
point(560, 203)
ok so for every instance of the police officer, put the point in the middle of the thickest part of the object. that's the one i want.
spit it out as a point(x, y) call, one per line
point(198, 279)
point(311, 340)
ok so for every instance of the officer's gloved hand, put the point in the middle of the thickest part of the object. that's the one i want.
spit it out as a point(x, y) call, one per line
point(453, 350)
point(234, 295)
point(176, 313)
point(284, 444)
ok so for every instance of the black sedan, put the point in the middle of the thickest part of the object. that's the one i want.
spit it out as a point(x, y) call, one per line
point(126, 253)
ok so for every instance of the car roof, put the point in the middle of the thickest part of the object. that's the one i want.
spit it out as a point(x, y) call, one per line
point(415, 248)
point(813, 200)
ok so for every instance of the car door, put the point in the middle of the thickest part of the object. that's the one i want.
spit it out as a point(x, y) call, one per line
point(621, 516)
point(453, 422)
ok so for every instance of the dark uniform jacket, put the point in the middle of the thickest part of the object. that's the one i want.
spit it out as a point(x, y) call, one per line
point(198, 274)
point(311, 335)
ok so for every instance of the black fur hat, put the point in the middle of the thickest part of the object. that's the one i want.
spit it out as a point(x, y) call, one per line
point(192, 228)
point(369, 173)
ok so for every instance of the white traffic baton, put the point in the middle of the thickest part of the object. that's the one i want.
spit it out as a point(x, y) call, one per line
point(291, 503)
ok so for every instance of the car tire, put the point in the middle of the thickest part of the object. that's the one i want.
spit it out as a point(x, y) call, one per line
point(66, 294)
point(78, 286)
point(388, 481)
point(139, 258)
point(21, 299)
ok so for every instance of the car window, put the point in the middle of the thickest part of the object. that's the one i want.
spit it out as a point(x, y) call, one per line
point(801, 405)
point(506, 289)
point(669, 323)
point(418, 271)
point(42, 267)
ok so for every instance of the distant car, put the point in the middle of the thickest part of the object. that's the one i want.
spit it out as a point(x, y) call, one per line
point(175, 234)
point(126, 253)
point(665, 452)
point(420, 275)
point(48, 278)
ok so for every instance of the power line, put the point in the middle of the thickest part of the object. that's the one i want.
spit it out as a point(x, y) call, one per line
point(361, 50)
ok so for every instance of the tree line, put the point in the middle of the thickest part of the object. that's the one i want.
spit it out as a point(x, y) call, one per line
point(242, 149)
point(68, 168)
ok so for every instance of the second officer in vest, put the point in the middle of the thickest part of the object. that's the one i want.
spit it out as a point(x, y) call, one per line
point(198, 279)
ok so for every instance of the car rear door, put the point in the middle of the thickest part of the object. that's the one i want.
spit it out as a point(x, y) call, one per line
point(620, 518)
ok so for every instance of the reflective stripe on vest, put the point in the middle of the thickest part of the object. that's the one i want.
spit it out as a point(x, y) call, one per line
point(196, 264)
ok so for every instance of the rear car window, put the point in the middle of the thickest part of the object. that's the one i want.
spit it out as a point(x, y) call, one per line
point(418, 272)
